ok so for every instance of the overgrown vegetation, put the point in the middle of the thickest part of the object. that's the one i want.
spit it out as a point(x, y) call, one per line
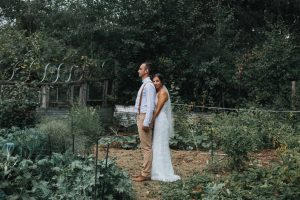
point(58, 131)
point(239, 134)
point(279, 181)
point(191, 132)
point(86, 124)
point(234, 53)
point(28, 169)
point(63, 176)
point(17, 106)
point(248, 131)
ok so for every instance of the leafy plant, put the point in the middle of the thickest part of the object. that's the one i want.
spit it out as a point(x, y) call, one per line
point(63, 176)
point(59, 131)
point(278, 181)
point(191, 132)
point(17, 106)
point(29, 143)
point(238, 135)
point(126, 142)
point(86, 122)
point(247, 131)
point(114, 182)
point(193, 188)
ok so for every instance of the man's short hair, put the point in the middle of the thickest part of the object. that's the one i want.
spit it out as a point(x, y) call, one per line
point(148, 67)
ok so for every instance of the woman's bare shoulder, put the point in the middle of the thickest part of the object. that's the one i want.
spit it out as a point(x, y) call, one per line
point(163, 94)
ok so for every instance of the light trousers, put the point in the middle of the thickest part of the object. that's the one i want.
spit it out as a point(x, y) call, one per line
point(146, 145)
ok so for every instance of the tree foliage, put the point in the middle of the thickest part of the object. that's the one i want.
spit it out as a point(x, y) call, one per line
point(200, 46)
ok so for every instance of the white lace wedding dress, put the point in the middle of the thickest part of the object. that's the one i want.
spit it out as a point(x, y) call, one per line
point(162, 169)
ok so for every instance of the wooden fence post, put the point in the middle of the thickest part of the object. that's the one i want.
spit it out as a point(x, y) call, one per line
point(83, 94)
point(293, 95)
point(45, 97)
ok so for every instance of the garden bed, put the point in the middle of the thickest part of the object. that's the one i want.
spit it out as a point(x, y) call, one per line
point(186, 164)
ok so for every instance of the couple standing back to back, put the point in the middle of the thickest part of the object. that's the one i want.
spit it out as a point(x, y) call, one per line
point(155, 127)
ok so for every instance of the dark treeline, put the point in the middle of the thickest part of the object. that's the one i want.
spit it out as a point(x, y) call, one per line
point(212, 52)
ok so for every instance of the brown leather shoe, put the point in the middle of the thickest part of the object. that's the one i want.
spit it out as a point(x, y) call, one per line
point(136, 175)
point(141, 179)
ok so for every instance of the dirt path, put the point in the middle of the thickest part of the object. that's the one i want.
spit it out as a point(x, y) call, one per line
point(186, 163)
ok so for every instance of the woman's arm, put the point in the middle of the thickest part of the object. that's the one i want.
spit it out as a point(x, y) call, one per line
point(162, 97)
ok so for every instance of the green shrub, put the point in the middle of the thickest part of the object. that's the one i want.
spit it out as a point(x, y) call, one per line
point(114, 182)
point(279, 181)
point(246, 131)
point(238, 136)
point(17, 106)
point(59, 132)
point(192, 188)
point(284, 130)
point(275, 129)
point(16, 113)
point(86, 123)
point(29, 143)
point(125, 142)
point(191, 132)
point(62, 176)
point(29, 171)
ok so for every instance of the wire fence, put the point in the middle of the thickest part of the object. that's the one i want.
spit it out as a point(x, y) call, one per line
point(237, 109)
point(130, 109)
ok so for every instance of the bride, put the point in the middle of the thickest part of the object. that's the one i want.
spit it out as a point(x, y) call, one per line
point(162, 169)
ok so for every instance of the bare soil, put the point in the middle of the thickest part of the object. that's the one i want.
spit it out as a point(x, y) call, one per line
point(185, 163)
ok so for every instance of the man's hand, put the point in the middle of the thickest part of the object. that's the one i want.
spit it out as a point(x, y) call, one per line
point(151, 125)
point(145, 128)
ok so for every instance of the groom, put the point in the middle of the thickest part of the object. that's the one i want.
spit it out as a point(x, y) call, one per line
point(144, 107)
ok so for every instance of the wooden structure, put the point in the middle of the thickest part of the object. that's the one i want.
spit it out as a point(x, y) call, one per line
point(62, 87)
point(77, 93)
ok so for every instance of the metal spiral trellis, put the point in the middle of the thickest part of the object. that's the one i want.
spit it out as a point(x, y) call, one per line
point(55, 69)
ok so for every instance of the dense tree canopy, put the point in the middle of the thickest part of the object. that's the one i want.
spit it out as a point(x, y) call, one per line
point(212, 52)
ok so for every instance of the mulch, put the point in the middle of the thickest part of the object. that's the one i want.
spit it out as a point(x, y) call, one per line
point(185, 163)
